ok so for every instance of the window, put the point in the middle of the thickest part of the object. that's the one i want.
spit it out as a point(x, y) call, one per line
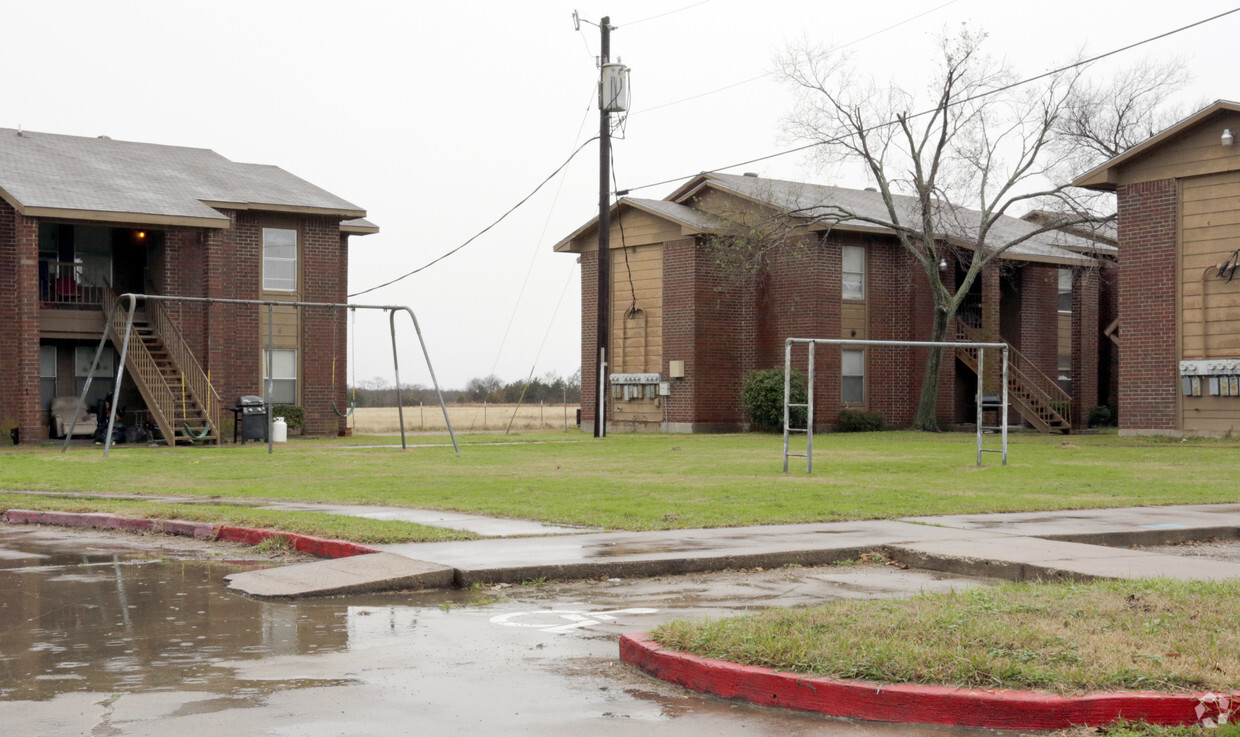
point(283, 376)
point(852, 376)
point(280, 259)
point(854, 272)
point(47, 375)
point(102, 380)
point(1065, 290)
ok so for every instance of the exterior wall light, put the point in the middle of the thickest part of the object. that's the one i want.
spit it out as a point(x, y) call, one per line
point(1227, 138)
point(942, 264)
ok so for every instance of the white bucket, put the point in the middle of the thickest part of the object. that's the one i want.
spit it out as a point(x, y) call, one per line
point(279, 431)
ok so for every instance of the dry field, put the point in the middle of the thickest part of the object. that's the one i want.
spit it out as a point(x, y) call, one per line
point(465, 418)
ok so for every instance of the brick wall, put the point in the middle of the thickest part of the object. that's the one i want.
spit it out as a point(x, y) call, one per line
point(799, 297)
point(19, 325)
point(324, 331)
point(1148, 361)
point(723, 345)
point(589, 337)
point(1038, 339)
point(679, 326)
point(1085, 336)
point(232, 261)
point(1108, 351)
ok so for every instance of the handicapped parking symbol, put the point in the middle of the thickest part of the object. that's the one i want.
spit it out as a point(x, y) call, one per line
point(563, 620)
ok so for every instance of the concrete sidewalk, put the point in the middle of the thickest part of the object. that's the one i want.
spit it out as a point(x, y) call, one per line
point(1076, 545)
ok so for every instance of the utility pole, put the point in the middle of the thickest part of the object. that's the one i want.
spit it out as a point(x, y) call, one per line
point(603, 331)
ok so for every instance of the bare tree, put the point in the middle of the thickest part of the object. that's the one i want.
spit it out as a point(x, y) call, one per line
point(949, 168)
point(1101, 120)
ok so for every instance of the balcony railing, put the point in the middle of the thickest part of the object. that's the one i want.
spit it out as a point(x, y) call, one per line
point(71, 283)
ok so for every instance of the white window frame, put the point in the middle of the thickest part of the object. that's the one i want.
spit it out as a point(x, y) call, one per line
point(48, 371)
point(858, 254)
point(1065, 275)
point(280, 283)
point(843, 362)
point(280, 378)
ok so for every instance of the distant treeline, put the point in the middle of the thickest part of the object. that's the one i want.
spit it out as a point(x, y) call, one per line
point(550, 388)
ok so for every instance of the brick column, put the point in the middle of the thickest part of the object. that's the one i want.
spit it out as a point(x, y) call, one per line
point(589, 338)
point(19, 334)
point(989, 279)
point(679, 319)
point(1085, 332)
point(1148, 369)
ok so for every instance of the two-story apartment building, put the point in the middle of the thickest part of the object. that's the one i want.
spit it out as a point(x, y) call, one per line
point(84, 219)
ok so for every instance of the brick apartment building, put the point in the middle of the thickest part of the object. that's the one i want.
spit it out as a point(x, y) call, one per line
point(683, 318)
point(1179, 300)
point(84, 219)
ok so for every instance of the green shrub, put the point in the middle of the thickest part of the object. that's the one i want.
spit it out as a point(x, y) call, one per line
point(294, 415)
point(1100, 416)
point(859, 420)
point(763, 397)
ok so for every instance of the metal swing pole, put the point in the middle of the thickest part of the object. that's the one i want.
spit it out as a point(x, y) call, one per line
point(120, 371)
point(94, 364)
point(431, 369)
point(271, 346)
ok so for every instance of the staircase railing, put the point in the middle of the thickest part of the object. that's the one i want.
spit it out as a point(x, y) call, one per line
point(196, 381)
point(1025, 374)
point(141, 365)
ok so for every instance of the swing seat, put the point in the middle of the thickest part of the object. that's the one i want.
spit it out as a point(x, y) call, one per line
point(352, 406)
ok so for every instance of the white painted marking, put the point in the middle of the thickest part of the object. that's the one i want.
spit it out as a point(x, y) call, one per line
point(574, 618)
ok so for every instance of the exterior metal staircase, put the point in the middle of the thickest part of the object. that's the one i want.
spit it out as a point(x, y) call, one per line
point(178, 394)
point(1034, 395)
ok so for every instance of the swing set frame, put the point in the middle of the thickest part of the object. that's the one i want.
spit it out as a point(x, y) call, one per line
point(129, 302)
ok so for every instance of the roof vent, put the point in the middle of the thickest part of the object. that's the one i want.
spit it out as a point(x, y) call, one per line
point(871, 189)
point(751, 174)
point(105, 138)
point(19, 131)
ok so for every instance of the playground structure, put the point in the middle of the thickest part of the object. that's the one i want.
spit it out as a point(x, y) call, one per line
point(984, 401)
point(129, 303)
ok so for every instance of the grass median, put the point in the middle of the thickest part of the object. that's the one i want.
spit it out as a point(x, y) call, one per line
point(1070, 638)
point(640, 482)
point(331, 526)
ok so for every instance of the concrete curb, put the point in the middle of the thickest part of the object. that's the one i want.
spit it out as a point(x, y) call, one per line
point(317, 546)
point(999, 709)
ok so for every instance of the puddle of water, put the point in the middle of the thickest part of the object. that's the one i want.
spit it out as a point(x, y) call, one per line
point(85, 618)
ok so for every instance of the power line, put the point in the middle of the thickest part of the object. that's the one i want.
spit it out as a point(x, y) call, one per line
point(978, 96)
point(663, 15)
point(512, 317)
point(475, 236)
point(764, 75)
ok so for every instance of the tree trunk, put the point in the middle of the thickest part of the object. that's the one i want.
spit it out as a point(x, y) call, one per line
point(927, 407)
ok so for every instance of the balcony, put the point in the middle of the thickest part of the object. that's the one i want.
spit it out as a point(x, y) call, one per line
point(72, 284)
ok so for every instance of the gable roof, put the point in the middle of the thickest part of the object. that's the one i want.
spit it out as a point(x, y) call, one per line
point(1104, 176)
point(51, 175)
point(814, 201)
point(691, 221)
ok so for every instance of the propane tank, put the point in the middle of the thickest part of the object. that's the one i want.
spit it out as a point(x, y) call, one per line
point(279, 430)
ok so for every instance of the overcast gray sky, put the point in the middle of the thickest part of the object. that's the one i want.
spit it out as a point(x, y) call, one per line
point(437, 118)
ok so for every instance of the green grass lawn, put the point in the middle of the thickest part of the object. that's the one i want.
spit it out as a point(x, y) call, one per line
point(642, 482)
point(1157, 635)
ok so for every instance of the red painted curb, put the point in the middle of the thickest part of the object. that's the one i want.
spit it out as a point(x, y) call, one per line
point(908, 703)
point(316, 546)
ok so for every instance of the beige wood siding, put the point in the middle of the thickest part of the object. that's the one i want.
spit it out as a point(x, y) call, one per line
point(1196, 153)
point(1209, 307)
point(637, 338)
point(639, 229)
point(286, 333)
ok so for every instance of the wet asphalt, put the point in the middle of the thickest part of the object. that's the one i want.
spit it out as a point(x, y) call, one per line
point(102, 634)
